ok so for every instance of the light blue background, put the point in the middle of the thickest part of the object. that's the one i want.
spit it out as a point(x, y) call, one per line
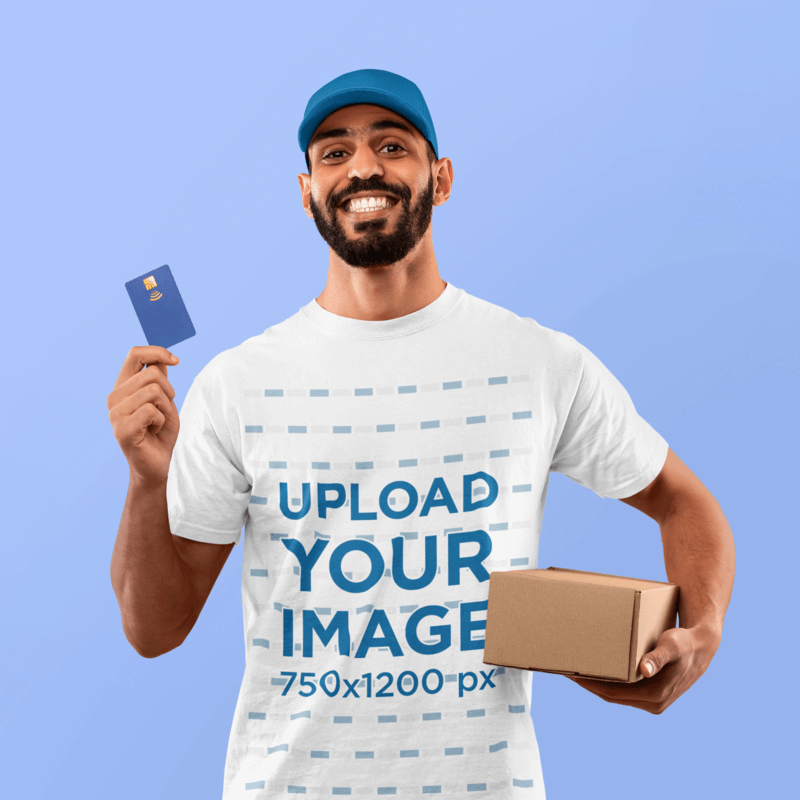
point(626, 172)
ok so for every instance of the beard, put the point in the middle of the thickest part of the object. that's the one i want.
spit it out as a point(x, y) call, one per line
point(371, 246)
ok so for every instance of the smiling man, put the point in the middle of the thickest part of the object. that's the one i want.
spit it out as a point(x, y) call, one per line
point(386, 448)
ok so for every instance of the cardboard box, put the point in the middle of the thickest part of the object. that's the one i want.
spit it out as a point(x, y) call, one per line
point(576, 623)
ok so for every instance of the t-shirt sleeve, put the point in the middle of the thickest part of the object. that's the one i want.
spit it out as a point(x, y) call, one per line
point(604, 444)
point(207, 490)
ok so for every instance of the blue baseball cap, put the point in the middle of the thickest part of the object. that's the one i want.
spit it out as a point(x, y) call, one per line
point(375, 86)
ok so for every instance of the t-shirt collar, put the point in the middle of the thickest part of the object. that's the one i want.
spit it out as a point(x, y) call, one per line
point(385, 328)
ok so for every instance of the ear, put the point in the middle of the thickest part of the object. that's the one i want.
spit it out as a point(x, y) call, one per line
point(443, 181)
point(305, 190)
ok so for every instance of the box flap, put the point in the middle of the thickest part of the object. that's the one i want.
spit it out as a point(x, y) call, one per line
point(633, 662)
point(658, 612)
point(597, 578)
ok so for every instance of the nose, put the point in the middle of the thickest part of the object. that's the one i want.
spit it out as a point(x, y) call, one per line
point(364, 163)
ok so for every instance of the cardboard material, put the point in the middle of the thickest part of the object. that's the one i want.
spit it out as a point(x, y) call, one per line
point(576, 623)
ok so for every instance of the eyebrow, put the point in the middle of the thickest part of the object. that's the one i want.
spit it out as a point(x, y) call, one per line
point(381, 125)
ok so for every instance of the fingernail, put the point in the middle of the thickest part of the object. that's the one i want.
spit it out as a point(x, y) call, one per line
point(648, 668)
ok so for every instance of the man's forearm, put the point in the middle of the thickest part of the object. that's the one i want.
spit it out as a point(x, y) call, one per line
point(150, 580)
point(699, 556)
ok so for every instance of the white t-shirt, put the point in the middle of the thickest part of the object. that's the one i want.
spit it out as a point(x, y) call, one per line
point(382, 470)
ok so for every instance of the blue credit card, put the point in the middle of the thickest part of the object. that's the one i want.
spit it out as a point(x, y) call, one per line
point(159, 306)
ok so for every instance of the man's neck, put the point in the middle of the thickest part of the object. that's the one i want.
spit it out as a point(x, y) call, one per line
point(380, 293)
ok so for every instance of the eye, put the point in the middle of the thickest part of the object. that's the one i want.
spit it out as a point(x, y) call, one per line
point(330, 153)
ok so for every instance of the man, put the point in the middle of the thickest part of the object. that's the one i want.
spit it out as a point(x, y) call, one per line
point(387, 447)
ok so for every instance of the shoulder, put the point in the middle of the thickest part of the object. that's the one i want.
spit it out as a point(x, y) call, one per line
point(226, 375)
point(526, 332)
point(233, 365)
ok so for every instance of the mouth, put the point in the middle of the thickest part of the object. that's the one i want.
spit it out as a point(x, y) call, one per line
point(372, 212)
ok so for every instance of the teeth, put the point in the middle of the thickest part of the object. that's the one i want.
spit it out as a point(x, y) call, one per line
point(369, 203)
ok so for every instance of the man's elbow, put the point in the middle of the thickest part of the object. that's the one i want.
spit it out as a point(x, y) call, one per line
point(150, 650)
